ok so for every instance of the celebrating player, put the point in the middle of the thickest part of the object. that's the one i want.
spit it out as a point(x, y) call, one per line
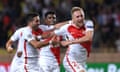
point(49, 55)
point(79, 35)
point(28, 44)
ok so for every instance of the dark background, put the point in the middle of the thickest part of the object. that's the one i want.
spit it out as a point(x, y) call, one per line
point(104, 13)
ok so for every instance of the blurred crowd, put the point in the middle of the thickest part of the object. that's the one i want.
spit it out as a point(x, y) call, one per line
point(104, 13)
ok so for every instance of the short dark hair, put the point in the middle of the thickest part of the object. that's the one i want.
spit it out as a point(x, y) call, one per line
point(29, 17)
point(49, 12)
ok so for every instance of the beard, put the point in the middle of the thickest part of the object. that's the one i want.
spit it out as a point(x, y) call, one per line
point(80, 23)
point(36, 27)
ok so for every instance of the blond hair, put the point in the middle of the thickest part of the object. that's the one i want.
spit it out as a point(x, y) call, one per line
point(77, 9)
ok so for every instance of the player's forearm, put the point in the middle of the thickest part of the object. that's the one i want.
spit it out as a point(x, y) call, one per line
point(81, 40)
point(9, 46)
point(46, 35)
point(53, 41)
point(41, 44)
point(58, 25)
point(87, 37)
point(38, 44)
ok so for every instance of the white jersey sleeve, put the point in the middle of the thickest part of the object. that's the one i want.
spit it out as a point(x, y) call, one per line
point(89, 25)
point(62, 30)
point(43, 27)
point(51, 27)
point(46, 27)
point(15, 36)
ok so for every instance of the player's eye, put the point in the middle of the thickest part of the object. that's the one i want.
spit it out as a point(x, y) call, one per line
point(51, 17)
point(79, 16)
point(37, 21)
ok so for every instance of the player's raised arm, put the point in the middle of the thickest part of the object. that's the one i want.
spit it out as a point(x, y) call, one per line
point(60, 24)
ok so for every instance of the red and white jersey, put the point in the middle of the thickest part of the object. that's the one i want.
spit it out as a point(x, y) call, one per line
point(16, 62)
point(71, 32)
point(29, 50)
point(26, 36)
point(30, 55)
point(49, 51)
point(17, 37)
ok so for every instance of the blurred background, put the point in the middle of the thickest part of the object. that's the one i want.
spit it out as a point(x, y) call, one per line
point(104, 13)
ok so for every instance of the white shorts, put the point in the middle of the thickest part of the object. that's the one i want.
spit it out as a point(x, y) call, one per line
point(28, 68)
point(71, 65)
point(32, 65)
point(15, 68)
point(16, 64)
point(49, 64)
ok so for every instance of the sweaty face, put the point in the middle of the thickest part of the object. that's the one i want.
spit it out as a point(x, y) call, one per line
point(36, 22)
point(50, 19)
point(78, 18)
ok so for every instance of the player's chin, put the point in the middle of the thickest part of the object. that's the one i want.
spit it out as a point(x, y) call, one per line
point(80, 24)
point(36, 27)
point(80, 21)
point(51, 23)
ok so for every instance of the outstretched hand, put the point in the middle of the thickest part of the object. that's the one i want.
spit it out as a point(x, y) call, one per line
point(10, 49)
point(55, 41)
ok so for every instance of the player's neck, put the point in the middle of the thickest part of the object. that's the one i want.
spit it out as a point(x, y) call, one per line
point(31, 28)
point(77, 26)
point(47, 23)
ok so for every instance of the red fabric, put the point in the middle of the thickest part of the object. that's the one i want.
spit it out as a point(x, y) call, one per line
point(37, 32)
point(78, 33)
point(56, 52)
